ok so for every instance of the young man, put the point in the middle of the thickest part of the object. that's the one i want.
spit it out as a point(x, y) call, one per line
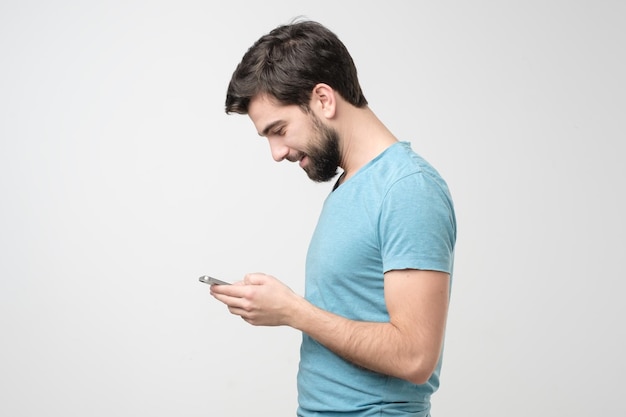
point(379, 265)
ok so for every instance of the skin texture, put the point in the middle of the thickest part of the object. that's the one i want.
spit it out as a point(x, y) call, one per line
point(409, 345)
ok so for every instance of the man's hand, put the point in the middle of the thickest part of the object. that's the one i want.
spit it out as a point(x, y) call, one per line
point(259, 299)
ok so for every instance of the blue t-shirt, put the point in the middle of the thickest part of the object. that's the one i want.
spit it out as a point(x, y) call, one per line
point(394, 213)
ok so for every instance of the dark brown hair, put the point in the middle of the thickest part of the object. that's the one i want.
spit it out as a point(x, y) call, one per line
point(288, 62)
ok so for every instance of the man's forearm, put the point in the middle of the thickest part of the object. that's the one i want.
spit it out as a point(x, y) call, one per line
point(380, 347)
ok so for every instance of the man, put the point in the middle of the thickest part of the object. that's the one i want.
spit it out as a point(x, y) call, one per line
point(379, 264)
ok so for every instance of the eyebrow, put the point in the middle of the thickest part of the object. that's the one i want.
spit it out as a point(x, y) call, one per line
point(270, 127)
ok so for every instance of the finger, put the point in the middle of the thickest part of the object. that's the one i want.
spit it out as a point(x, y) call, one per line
point(231, 302)
point(255, 279)
point(235, 290)
point(247, 279)
point(238, 312)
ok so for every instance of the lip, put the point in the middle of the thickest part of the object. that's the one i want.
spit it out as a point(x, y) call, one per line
point(303, 161)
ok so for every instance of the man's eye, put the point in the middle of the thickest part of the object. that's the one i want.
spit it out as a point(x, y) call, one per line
point(280, 132)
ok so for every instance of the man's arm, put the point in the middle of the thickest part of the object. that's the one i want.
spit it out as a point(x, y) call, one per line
point(407, 347)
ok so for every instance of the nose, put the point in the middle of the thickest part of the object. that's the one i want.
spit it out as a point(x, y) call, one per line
point(279, 149)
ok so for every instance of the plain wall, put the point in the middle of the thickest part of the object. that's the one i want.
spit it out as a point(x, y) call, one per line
point(122, 180)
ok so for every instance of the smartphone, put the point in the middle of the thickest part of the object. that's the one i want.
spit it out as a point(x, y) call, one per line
point(212, 281)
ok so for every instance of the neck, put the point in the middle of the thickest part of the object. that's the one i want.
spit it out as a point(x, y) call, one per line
point(363, 138)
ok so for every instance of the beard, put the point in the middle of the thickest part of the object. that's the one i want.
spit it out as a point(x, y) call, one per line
point(323, 153)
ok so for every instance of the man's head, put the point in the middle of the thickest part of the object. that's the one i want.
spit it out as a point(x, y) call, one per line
point(298, 135)
point(288, 63)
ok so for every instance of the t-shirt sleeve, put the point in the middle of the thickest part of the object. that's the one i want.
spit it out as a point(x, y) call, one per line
point(417, 225)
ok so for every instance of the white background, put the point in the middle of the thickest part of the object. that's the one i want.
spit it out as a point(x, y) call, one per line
point(122, 180)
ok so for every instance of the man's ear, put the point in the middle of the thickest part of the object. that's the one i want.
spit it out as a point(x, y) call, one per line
point(324, 100)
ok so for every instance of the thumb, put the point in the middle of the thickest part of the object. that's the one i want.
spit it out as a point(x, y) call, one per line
point(255, 279)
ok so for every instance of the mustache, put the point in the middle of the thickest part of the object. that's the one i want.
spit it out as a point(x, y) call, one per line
point(295, 157)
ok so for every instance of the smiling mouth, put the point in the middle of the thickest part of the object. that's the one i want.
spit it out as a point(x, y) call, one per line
point(299, 157)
